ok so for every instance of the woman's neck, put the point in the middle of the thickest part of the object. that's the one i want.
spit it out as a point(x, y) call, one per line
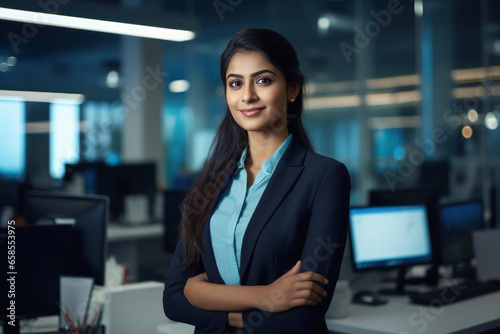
point(262, 145)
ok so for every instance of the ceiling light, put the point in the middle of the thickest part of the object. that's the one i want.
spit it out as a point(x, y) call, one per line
point(331, 102)
point(404, 97)
point(395, 122)
point(418, 7)
point(179, 86)
point(111, 27)
point(112, 79)
point(472, 115)
point(47, 97)
point(12, 61)
point(467, 132)
point(323, 23)
point(490, 121)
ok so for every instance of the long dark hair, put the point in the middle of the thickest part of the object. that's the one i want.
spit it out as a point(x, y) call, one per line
point(230, 139)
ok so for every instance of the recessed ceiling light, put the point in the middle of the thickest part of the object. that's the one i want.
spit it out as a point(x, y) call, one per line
point(112, 79)
point(179, 86)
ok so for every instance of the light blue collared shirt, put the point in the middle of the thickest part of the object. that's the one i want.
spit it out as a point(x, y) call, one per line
point(231, 216)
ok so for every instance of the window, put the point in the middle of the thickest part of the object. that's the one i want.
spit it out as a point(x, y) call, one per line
point(64, 137)
point(12, 139)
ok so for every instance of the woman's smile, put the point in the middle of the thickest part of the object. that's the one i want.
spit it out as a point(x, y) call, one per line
point(252, 111)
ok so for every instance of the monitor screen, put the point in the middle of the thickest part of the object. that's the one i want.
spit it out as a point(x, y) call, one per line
point(389, 236)
point(42, 254)
point(88, 214)
point(458, 221)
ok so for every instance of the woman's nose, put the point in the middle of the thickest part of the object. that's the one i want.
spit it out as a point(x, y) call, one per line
point(249, 94)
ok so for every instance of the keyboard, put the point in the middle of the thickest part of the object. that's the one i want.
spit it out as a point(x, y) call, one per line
point(455, 293)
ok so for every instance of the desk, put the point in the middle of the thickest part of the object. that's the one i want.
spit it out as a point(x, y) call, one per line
point(399, 316)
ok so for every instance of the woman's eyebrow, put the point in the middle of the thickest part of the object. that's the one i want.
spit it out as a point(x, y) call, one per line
point(251, 75)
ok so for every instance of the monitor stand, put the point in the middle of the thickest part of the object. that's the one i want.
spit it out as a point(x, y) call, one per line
point(399, 290)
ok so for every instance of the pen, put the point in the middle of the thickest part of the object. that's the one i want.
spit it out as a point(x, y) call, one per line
point(68, 324)
point(94, 321)
point(84, 324)
point(72, 323)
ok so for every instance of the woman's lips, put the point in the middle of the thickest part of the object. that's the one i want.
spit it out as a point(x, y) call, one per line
point(252, 111)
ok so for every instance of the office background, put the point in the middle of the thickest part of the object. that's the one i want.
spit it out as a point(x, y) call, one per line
point(405, 93)
point(394, 87)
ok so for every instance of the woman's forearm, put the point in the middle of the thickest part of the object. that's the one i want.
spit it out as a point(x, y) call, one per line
point(220, 297)
point(291, 290)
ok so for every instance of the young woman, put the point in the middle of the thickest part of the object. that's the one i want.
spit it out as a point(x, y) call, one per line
point(263, 230)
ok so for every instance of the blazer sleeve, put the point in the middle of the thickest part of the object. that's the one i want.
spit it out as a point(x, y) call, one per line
point(322, 253)
point(178, 308)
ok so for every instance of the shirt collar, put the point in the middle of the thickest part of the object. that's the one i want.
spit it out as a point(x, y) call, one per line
point(270, 164)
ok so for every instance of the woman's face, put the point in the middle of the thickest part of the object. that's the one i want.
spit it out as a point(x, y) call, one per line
point(256, 93)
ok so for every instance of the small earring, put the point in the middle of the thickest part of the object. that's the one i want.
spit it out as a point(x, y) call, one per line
point(292, 100)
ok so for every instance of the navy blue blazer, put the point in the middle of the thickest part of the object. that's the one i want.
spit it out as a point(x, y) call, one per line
point(302, 214)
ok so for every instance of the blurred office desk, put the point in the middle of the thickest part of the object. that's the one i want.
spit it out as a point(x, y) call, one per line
point(138, 245)
point(175, 328)
point(119, 232)
point(474, 315)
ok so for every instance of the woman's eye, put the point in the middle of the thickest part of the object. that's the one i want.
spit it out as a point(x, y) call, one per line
point(234, 84)
point(263, 80)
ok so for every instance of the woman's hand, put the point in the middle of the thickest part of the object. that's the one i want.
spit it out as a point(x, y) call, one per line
point(293, 289)
point(235, 319)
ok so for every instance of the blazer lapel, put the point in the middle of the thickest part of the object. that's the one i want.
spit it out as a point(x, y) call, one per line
point(284, 176)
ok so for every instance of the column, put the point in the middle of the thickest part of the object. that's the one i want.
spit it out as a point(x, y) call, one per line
point(142, 97)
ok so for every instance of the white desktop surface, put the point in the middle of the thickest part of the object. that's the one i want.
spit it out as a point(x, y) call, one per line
point(399, 316)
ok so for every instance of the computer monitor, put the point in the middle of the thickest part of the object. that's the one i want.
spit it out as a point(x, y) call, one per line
point(173, 200)
point(42, 255)
point(458, 221)
point(388, 237)
point(132, 179)
point(414, 195)
point(87, 213)
point(119, 181)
